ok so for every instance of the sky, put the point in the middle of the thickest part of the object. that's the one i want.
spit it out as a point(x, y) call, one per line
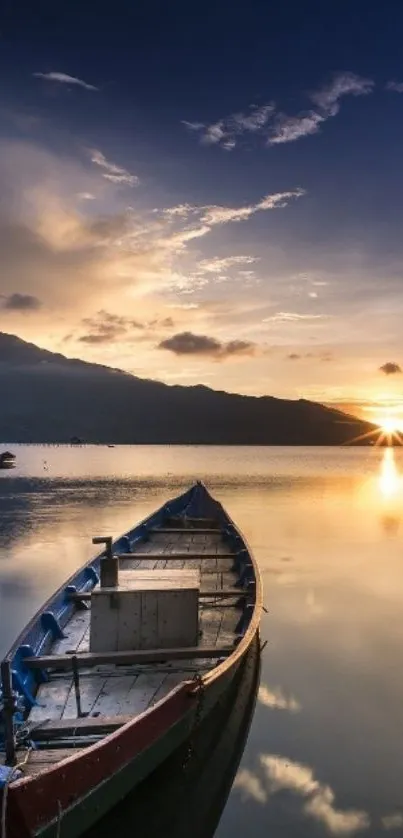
point(208, 193)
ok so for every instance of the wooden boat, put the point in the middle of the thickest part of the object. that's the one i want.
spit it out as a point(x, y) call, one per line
point(123, 664)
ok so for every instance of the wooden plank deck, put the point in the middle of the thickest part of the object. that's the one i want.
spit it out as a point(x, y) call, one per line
point(111, 692)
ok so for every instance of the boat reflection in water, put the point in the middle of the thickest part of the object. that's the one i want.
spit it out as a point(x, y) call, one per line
point(187, 794)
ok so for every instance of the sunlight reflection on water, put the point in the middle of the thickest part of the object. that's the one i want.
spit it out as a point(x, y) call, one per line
point(390, 479)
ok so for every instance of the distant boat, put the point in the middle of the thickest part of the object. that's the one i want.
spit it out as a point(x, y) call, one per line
point(175, 607)
point(7, 459)
point(75, 440)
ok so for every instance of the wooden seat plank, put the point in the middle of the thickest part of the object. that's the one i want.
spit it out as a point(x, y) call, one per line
point(223, 593)
point(86, 659)
point(185, 530)
point(192, 522)
point(174, 556)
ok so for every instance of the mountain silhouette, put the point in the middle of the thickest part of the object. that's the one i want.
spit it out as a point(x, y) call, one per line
point(46, 397)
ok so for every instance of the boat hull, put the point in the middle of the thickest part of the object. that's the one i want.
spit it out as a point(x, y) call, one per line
point(76, 793)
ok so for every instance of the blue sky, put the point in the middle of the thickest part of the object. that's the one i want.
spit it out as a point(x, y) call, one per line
point(208, 194)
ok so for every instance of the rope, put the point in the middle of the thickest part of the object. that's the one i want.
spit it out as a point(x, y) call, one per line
point(23, 733)
point(5, 792)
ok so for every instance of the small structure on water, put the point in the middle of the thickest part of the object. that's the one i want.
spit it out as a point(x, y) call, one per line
point(7, 459)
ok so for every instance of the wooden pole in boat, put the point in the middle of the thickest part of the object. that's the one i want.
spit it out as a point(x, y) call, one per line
point(104, 539)
point(76, 680)
point(109, 564)
point(8, 712)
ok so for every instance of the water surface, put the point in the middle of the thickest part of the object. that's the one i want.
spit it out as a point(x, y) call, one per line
point(325, 751)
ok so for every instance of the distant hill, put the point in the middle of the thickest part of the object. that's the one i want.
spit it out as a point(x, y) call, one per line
point(46, 397)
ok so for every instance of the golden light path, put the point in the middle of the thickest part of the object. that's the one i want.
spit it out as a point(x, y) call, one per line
point(390, 481)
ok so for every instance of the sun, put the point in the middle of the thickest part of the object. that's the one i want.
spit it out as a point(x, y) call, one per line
point(390, 429)
point(390, 425)
point(387, 426)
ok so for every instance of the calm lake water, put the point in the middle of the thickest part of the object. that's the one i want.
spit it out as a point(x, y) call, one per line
point(325, 751)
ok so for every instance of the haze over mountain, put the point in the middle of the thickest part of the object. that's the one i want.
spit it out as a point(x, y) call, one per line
point(46, 397)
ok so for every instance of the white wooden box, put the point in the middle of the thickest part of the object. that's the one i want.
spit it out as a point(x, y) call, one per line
point(149, 609)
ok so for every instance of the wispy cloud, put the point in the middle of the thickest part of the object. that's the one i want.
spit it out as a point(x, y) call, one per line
point(178, 240)
point(276, 700)
point(226, 132)
point(206, 218)
point(193, 126)
point(217, 265)
point(112, 172)
point(286, 129)
point(184, 306)
point(290, 128)
point(180, 211)
point(222, 215)
point(106, 327)
point(292, 317)
point(255, 119)
point(397, 86)
point(224, 269)
point(342, 84)
point(247, 274)
point(85, 196)
point(277, 127)
point(213, 214)
point(64, 78)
